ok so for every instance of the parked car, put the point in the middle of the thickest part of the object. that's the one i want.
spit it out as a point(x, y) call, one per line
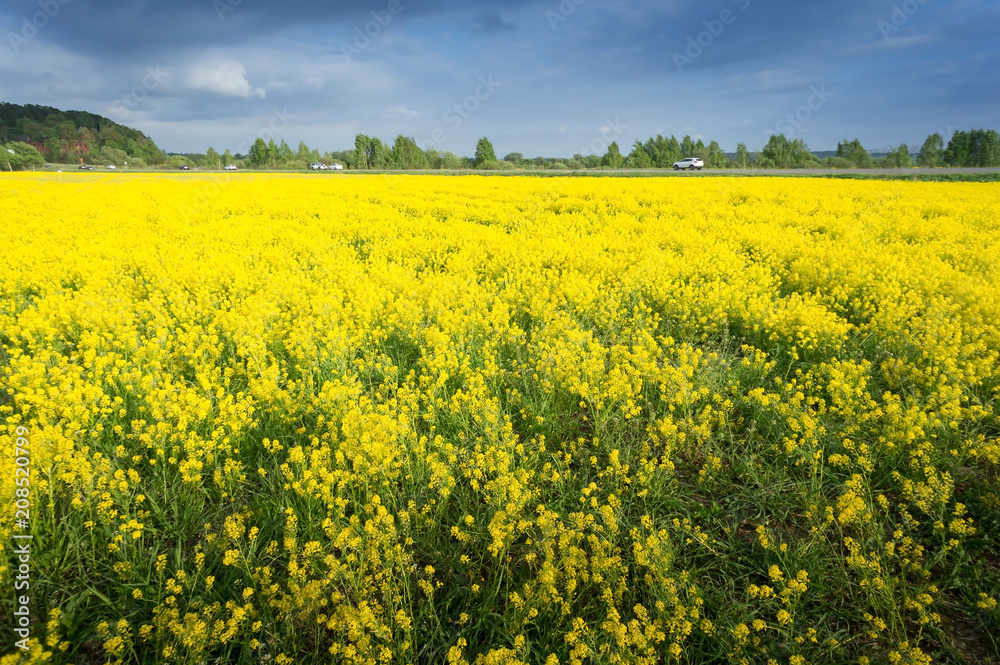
point(337, 167)
point(86, 167)
point(316, 166)
point(185, 167)
point(112, 167)
point(230, 167)
point(689, 163)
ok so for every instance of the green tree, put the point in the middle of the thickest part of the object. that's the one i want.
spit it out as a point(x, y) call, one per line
point(991, 149)
point(19, 156)
point(304, 154)
point(687, 147)
point(272, 153)
point(784, 154)
point(958, 151)
point(227, 158)
point(433, 158)
point(109, 155)
point(700, 150)
point(742, 156)
point(976, 148)
point(613, 158)
point(258, 153)
point(362, 144)
point(450, 161)
point(378, 154)
point(663, 151)
point(931, 151)
point(715, 158)
point(484, 152)
point(212, 158)
point(514, 158)
point(285, 155)
point(406, 154)
point(855, 153)
point(639, 158)
point(777, 153)
point(900, 157)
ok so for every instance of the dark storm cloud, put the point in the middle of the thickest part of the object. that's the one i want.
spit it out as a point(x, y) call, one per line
point(725, 69)
point(136, 27)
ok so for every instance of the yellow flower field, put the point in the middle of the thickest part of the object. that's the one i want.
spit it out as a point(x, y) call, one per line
point(412, 419)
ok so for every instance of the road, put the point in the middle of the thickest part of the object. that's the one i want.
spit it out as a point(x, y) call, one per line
point(594, 172)
point(803, 172)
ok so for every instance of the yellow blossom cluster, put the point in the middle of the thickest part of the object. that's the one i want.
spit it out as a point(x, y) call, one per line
point(482, 420)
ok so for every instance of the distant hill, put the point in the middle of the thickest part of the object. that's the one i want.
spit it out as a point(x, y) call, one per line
point(69, 136)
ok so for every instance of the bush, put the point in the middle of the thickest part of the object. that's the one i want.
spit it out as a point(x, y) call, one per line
point(496, 165)
point(21, 156)
point(837, 163)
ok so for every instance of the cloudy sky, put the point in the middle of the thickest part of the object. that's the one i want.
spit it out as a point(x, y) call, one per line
point(550, 78)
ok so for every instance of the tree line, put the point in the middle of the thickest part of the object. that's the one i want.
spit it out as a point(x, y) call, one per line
point(975, 148)
point(965, 149)
point(34, 135)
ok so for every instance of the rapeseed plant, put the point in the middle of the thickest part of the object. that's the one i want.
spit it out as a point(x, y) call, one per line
point(477, 420)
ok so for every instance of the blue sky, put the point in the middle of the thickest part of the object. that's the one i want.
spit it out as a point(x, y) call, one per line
point(549, 78)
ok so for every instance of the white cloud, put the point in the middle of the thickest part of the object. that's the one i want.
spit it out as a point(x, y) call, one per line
point(401, 112)
point(224, 78)
point(895, 43)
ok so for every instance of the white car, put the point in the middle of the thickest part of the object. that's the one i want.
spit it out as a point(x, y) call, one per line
point(230, 167)
point(111, 167)
point(337, 167)
point(689, 163)
point(315, 166)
